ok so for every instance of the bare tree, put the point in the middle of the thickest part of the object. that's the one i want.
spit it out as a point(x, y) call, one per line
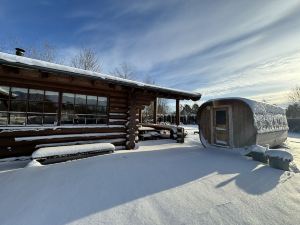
point(86, 59)
point(294, 95)
point(46, 52)
point(125, 71)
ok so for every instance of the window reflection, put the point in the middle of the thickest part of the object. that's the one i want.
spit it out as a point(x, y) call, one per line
point(19, 93)
point(83, 109)
point(18, 118)
point(35, 119)
point(36, 95)
point(3, 118)
point(51, 96)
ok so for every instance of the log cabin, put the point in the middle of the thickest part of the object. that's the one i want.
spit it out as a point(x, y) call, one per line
point(46, 104)
point(240, 122)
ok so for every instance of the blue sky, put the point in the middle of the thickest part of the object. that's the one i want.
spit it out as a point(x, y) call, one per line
point(219, 48)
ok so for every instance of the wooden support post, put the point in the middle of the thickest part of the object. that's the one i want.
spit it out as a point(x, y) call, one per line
point(177, 113)
point(155, 111)
point(140, 115)
point(59, 109)
point(132, 122)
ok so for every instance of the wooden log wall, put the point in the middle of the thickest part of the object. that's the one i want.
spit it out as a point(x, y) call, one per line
point(122, 116)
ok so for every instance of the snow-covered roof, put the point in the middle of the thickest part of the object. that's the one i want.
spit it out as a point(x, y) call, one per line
point(267, 117)
point(22, 61)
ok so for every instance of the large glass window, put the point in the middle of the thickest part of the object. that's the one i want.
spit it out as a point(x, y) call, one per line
point(4, 104)
point(23, 106)
point(83, 109)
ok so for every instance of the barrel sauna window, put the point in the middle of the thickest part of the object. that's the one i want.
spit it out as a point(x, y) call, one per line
point(83, 109)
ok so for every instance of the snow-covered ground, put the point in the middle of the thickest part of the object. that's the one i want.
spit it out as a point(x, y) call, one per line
point(293, 143)
point(162, 182)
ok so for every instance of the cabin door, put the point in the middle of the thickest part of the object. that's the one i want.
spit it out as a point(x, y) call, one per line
point(221, 126)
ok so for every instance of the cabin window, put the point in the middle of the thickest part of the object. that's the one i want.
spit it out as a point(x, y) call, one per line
point(23, 106)
point(83, 109)
point(4, 103)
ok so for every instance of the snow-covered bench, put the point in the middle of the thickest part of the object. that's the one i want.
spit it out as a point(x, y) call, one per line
point(62, 153)
point(176, 132)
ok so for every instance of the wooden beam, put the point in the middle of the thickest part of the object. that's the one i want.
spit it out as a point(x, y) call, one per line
point(177, 112)
point(155, 111)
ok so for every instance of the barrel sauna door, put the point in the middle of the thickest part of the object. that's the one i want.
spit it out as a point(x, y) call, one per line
point(221, 126)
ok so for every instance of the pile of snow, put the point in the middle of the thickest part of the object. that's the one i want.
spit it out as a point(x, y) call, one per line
point(280, 153)
point(258, 149)
point(72, 149)
point(33, 163)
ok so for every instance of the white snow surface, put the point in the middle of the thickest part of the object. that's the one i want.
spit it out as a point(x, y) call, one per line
point(71, 149)
point(267, 117)
point(67, 69)
point(162, 182)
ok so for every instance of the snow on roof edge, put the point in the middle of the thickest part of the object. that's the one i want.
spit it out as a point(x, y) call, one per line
point(21, 60)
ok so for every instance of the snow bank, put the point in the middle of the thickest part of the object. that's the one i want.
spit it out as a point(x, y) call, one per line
point(280, 153)
point(258, 149)
point(72, 149)
point(33, 163)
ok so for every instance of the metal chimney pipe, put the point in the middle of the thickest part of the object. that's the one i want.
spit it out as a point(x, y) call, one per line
point(20, 51)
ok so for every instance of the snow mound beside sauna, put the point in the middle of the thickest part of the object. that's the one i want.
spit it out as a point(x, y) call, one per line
point(258, 149)
point(71, 150)
point(280, 153)
point(34, 163)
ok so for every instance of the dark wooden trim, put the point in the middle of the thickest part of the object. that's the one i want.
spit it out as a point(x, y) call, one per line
point(177, 113)
point(155, 111)
point(59, 108)
point(140, 115)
